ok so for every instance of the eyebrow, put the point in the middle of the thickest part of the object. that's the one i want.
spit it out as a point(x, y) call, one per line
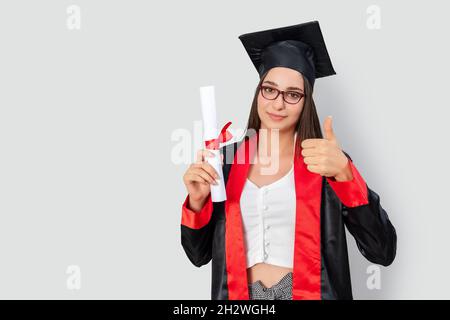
point(288, 88)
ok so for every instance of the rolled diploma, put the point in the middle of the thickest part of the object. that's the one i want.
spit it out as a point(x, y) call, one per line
point(210, 131)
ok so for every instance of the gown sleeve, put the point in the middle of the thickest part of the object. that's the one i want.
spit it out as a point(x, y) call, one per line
point(365, 218)
point(197, 230)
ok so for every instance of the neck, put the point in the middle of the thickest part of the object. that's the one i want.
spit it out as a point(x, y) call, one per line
point(276, 143)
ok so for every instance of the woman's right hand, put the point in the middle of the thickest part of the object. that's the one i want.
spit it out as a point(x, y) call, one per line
point(198, 178)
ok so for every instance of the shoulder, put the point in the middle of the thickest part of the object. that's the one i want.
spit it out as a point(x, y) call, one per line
point(229, 150)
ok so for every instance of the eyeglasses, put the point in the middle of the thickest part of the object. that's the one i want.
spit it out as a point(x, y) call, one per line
point(291, 97)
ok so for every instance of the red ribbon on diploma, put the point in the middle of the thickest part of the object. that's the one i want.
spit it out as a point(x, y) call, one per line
point(224, 136)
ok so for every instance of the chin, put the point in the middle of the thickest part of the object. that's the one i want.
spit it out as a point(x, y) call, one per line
point(274, 125)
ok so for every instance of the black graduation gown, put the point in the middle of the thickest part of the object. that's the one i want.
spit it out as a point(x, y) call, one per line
point(324, 206)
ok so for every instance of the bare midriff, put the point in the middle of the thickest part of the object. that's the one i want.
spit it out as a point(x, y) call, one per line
point(268, 274)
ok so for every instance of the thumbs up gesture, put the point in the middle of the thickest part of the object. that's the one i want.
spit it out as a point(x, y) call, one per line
point(325, 157)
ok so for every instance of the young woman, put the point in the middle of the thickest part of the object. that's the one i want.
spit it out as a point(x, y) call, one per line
point(290, 190)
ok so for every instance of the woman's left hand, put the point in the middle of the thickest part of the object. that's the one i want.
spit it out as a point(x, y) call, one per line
point(325, 157)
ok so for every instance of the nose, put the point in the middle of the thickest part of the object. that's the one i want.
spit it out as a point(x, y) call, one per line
point(278, 103)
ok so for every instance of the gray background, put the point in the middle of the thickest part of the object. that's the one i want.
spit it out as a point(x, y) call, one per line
point(87, 116)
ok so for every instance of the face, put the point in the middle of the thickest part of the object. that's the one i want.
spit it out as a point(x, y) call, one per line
point(278, 114)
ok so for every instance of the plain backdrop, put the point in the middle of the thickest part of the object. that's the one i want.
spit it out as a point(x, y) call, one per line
point(88, 116)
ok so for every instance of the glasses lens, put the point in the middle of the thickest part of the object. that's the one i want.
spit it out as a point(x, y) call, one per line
point(269, 93)
point(292, 96)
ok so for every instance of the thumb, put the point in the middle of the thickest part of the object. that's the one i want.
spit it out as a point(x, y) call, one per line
point(328, 129)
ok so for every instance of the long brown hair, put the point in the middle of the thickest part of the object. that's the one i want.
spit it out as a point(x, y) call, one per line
point(308, 124)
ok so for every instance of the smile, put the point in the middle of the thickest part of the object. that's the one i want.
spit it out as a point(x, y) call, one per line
point(276, 117)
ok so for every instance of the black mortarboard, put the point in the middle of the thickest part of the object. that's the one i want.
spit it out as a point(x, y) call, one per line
point(300, 47)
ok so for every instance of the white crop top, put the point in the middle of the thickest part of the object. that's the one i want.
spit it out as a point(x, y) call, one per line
point(268, 215)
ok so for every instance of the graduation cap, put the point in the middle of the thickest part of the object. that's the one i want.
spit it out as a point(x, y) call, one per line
point(300, 47)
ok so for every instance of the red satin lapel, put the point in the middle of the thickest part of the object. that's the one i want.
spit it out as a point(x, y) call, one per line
point(307, 258)
point(236, 259)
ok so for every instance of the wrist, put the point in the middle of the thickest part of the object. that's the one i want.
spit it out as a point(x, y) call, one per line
point(196, 205)
point(346, 174)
